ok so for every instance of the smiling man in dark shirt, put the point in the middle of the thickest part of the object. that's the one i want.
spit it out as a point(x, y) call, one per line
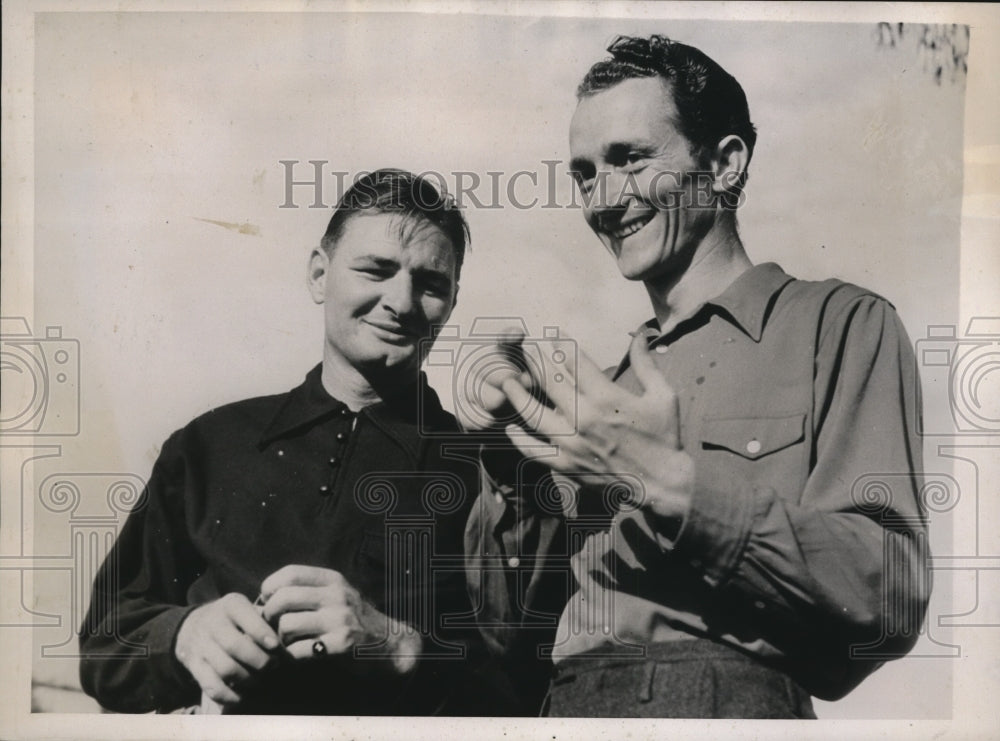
point(280, 560)
point(734, 518)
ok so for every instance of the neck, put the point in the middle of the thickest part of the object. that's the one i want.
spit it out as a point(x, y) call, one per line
point(718, 261)
point(355, 388)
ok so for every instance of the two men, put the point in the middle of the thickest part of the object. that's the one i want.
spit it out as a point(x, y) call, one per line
point(280, 561)
point(769, 544)
point(713, 550)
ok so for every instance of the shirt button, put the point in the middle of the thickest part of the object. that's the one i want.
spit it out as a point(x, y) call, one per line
point(281, 453)
point(759, 604)
point(324, 489)
point(753, 447)
point(513, 562)
point(334, 462)
point(340, 437)
point(345, 412)
point(662, 349)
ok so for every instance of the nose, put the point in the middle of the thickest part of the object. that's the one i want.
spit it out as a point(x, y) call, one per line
point(610, 195)
point(398, 296)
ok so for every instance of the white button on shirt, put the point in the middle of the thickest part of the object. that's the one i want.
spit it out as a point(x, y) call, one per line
point(753, 447)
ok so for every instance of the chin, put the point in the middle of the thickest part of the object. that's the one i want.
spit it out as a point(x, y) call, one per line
point(632, 273)
point(635, 269)
point(398, 361)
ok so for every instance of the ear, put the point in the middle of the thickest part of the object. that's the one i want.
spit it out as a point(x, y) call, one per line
point(729, 164)
point(319, 264)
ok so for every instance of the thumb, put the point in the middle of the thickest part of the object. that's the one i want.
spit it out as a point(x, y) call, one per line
point(645, 368)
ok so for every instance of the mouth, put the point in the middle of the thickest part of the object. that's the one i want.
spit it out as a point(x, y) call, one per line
point(392, 332)
point(626, 228)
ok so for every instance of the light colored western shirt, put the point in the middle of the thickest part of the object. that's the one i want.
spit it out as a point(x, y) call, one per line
point(805, 543)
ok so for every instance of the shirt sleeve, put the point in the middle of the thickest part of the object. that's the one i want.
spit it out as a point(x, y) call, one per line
point(836, 582)
point(138, 602)
point(517, 570)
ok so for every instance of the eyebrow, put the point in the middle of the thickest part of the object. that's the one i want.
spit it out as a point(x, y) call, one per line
point(389, 263)
point(613, 149)
point(432, 274)
point(382, 262)
point(635, 146)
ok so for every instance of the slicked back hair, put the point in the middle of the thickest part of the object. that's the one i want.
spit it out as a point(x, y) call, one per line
point(710, 103)
point(414, 198)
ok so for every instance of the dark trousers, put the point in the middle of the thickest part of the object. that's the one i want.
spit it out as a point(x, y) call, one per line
point(679, 679)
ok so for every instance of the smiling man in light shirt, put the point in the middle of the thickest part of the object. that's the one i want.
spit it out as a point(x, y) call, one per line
point(280, 559)
point(739, 523)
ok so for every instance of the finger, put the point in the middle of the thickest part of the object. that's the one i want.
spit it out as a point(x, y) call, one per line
point(488, 394)
point(590, 379)
point(511, 338)
point(521, 401)
point(295, 599)
point(569, 373)
point(296, 626)
point(535, 416)
point(248, 619)
point(212, 684)
point(482, 403)
point(645, 368)
point(565, 355)
point(306, 576)
point(536, 448)
point(303, 649)
point(550, 365)
point(242, 648)
point(230, 671)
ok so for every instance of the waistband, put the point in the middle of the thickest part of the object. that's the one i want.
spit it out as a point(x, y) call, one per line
point(667, 652)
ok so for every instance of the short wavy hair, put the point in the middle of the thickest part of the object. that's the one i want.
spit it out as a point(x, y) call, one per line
point(413, 197)
point(710, 103)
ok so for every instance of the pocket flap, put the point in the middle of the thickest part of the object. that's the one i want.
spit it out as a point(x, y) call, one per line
point(753, 437)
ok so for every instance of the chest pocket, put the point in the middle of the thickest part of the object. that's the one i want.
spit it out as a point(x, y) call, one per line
point(753, 437)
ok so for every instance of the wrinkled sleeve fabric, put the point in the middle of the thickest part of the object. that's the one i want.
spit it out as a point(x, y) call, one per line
point(138, 601)
point(837, 581)
point(517, 570)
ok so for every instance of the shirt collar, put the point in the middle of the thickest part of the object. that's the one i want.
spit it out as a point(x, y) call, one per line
point(404, 415)
point(746, 301)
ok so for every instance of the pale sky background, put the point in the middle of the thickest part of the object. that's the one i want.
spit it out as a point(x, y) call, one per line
point(148, 124)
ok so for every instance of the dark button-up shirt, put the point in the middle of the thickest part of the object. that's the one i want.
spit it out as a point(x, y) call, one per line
point(382, 496)
point(805, 544)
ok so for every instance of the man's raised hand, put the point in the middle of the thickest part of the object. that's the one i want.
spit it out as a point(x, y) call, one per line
point(602, 431)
